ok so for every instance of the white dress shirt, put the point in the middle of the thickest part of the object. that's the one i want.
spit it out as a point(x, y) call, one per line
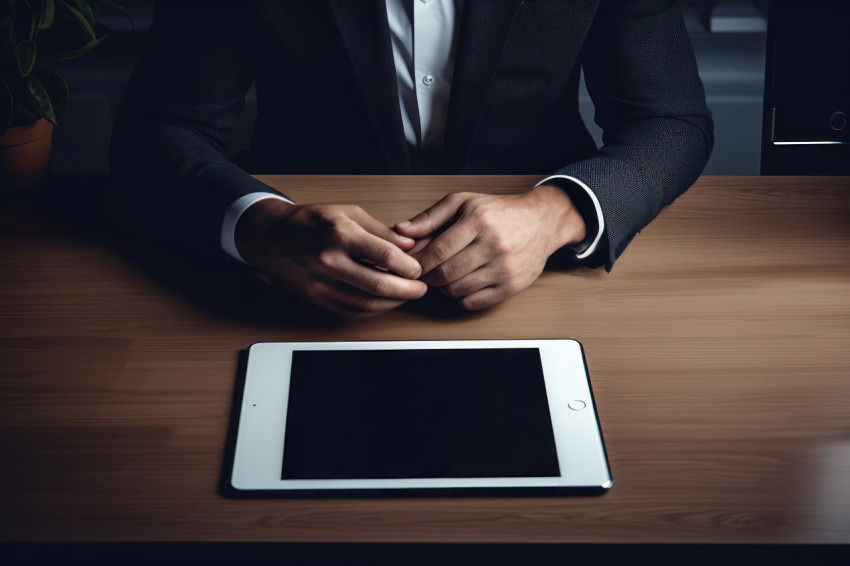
point(424, 37)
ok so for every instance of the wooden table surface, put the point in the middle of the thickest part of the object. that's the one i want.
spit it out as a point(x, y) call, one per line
point(718, 349)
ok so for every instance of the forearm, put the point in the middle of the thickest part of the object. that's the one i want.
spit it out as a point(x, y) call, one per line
point(185, 96)
point(645, 167)
point(642, 76)
point(174, 183)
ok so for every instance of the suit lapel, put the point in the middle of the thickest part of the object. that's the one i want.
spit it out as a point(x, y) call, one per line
point(485, 26)
point(366, 34)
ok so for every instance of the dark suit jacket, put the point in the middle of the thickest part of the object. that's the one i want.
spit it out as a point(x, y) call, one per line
point(328, 103)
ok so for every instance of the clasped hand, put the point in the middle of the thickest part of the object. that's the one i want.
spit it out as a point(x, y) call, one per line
point(478, 249)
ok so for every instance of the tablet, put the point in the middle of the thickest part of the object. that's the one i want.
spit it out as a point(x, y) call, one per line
point(513, 417)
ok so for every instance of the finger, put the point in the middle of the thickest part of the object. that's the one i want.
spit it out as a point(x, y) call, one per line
point(351, 302)
point(475, 281)
point(379, 283)
point(380, 252)
point(376, 228)
point(459, 266)
point(431, 219)
point(445, 246)
point(402, 242)
point(419, 246)
point(329, 293)
point(484, 298)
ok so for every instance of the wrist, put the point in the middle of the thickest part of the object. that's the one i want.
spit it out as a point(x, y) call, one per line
point(568, 226)
point(253, 233)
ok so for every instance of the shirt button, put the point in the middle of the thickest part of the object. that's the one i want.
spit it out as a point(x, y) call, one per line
point(428, 80)
point(426, 1)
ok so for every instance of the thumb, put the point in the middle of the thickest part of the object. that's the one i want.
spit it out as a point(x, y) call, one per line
point(430, 220)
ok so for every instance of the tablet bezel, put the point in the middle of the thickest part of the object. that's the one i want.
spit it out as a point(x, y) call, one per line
point(258, 454)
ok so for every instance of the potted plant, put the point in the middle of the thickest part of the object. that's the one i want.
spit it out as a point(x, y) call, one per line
point(33, 35)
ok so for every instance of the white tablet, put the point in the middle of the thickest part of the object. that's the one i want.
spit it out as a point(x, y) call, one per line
point(506, 417)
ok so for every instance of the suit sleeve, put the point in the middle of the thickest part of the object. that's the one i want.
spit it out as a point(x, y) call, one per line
point(641, 73)
point(187, 92)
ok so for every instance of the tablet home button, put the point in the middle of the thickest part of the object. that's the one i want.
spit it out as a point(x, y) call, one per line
point(576, 404)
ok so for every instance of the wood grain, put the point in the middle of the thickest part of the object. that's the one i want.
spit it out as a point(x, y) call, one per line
point(719, 352)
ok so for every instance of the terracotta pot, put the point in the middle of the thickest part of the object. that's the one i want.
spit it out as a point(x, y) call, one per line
point(24, 151)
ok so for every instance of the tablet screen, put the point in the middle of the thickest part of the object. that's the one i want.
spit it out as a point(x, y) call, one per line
point(450, 413)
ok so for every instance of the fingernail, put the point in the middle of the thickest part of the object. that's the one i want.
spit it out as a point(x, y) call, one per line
point(405, 224)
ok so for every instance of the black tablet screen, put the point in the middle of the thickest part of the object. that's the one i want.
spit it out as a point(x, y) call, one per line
point(418, 414)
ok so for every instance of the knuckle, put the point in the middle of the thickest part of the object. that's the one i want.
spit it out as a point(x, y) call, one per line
point(439, 251)
point(443, 275)
point(454, 291)
point(339, 234)
point(326, 258)
point(500, 244)
point(320, 215)
point(486, 216)
point(378, 286)
point(385, 256)
point(509, 272)
point(478, 223)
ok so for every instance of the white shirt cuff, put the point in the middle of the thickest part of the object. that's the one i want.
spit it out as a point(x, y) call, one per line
point(599, 218)
point(232, 216)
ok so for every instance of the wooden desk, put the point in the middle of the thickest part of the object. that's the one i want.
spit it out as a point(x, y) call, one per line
point(719, 352)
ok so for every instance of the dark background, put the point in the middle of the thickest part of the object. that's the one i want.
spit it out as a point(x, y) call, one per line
point(731, 65)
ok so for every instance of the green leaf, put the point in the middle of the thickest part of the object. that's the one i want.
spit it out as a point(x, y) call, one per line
point(6, 107)
point(40, 98)
point(48, 13)
point(65, 55)
point(116, 6)
point(8, 37)
point(85, 8)
point(79, 16)
point(57, 90)
point(33, 25)
point(25, 54)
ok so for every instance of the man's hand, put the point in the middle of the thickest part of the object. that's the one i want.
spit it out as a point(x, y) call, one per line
point(336, 256)
point(487, 248)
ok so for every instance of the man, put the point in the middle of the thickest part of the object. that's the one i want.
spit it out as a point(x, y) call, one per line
point(412, 86)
